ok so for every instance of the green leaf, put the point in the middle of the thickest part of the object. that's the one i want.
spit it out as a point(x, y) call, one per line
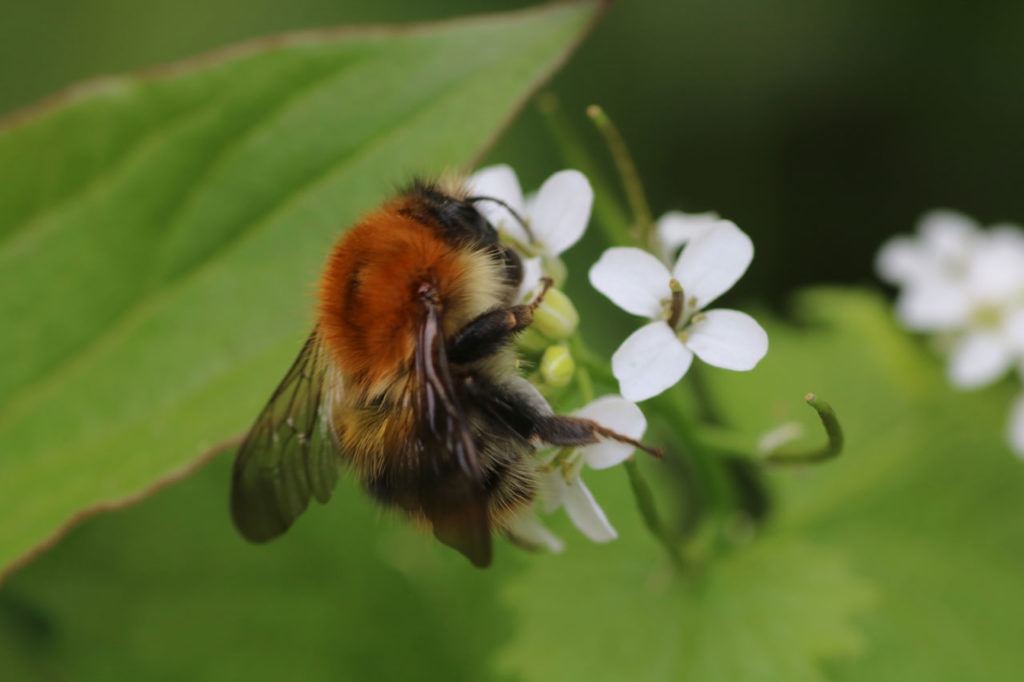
point(168, 590)
point(926, 502)
point(773, 610)
point(901, 560)
point(160, 234)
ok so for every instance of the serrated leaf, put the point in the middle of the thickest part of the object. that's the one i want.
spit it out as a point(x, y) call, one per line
point(159, 235)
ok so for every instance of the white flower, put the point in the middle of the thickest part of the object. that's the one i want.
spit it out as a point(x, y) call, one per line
point(561, 485)
point(965, 282)
point(675, 229)
point(942, 251)
point(1015, 430)
point(555, 218)
point(526, 529)
point(989, 347)
point(657, 355)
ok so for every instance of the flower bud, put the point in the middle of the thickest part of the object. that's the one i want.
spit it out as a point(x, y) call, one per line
point(554, 268)
point(557, 366)
point(532, 342)
point(556, 317)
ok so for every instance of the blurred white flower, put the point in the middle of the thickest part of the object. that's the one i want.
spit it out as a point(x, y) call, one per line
point(560, 482)
point(932, 269)
point(555, 218)
point(657, 355)
point(966, 282)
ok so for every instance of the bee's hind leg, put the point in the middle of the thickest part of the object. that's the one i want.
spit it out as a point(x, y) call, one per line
point(569, 431)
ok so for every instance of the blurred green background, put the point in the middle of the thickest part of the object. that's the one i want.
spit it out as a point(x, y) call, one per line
point(818, 127)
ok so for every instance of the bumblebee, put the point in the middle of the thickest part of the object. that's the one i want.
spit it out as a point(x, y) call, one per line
point(410, 380)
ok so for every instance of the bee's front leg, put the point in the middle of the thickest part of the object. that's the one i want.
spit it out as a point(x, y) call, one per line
point(486, 333)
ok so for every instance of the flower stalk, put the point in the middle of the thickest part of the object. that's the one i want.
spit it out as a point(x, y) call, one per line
point(649, 512)
point(634, 188)
point(829, 450)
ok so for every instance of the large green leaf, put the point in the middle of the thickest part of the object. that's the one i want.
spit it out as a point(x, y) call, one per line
point(169, 590)
point(160, 234)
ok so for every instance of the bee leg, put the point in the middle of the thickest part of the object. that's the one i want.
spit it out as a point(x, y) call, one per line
point(486, 333)
point(527, 414)
point(569, 431)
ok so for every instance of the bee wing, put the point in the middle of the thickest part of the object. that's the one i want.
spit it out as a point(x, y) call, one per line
point(290, 454)
point(450, 486)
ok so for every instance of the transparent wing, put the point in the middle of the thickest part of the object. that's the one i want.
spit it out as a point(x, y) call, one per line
point(290, 453)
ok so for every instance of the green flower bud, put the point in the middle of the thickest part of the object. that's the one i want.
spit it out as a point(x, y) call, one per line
point(556, 317)
point(555, 268)
point(557, 366)
point(531, 342)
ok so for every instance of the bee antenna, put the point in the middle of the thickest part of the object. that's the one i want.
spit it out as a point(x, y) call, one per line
point(515, 213)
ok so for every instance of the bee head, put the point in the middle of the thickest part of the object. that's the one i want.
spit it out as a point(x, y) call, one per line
point(457, 218)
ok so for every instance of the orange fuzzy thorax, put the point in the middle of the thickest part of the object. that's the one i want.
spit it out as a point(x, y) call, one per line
point(370, 307)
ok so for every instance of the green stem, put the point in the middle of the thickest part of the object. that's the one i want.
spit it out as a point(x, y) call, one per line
point(702, 394)
point(587, 361)
point(585, 383)
point(611, 217)
point(628, 172)
point(829, 450)
point(707, 465)
point(593, 362)
point(645, 503)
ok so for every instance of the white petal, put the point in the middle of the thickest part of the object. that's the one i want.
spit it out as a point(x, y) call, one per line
point(933, 304)
point(552, 490)
point(529, 201)
point(499, 182)
point(948, 235)
point(561, 211)
point(728, 339)
point(1016, 426)
point(902, 260)
point(531, 277)
point(650, 360)
point(633, 279)
point(979, 359)
point(586, 514)
point(1007, 235)
point(676, 228)
point(618, 414)
point(1013, 329)
point(995, 271)
point(526, 528)
point(712, 263)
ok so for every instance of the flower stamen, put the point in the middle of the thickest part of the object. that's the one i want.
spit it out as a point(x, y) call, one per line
point(675, 311)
